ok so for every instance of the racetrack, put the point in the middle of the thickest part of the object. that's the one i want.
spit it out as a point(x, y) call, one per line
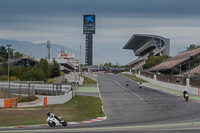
point(131, 109)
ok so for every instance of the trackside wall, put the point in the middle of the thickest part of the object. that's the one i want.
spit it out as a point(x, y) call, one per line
point(2, 103)
point(181, 88)
point(49, 100)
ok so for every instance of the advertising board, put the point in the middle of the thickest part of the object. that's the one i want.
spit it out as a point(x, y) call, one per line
point(88, 20)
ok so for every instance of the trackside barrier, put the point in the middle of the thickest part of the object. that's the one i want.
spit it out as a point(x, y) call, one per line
point(45, 101)
point(50, 100)
point(8, 103)
point(181, 88)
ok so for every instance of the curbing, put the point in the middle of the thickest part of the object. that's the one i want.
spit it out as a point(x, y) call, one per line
point(98, 119)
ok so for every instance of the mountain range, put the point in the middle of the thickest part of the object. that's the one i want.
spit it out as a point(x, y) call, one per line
point(36, 50)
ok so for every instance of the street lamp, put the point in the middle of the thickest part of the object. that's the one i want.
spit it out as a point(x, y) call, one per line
point(9, 45)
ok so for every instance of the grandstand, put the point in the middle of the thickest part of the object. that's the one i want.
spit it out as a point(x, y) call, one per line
point(25, 61)
point(178, 64)
point(194, 71)
point(143, 44)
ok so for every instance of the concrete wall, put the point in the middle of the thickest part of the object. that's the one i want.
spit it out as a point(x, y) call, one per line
point(49, 100)
point(181, 88)
point(2, 103)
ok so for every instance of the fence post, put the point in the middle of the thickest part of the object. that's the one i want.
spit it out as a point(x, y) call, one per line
point(4, 92)
point(29, 88)
point(33, 90)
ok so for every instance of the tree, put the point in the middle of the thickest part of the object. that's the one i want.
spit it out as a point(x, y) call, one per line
point(154, 60)
point(3, 53)
point(18, 55)
point(192, 46)
point(109, 64)
point(55, 69)
point(35, 74)
point(44, 65)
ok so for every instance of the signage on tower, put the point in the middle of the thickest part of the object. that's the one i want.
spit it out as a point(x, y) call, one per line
point(88, 20)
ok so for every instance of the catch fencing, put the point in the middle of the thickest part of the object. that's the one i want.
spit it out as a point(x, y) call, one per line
point(15, 90)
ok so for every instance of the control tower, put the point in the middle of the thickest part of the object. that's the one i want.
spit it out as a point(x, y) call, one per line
point(89, 30)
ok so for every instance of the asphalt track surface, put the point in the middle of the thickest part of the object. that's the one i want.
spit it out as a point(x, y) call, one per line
point(130, 109)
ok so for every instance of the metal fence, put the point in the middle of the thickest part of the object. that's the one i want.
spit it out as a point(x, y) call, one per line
point(16, 91)
point(180, 80)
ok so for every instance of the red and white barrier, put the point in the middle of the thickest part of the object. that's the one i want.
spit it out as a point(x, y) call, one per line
point(49, 100)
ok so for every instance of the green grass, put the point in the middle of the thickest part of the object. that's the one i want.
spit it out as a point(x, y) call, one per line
point(80, 108)
point(27, 99)
point(88, 81)
point(133, 77)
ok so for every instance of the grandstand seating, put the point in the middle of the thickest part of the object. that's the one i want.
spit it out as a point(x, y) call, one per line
point(176, 60)
point(195, 70)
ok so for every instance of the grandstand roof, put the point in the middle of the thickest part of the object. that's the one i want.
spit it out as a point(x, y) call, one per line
point(176, 60)
point(136, 39)
point(194, 71)
point(25, 61)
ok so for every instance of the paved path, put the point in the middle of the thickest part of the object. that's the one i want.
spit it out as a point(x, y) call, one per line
point(35, 103)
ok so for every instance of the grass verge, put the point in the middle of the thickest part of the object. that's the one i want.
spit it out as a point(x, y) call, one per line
point(133, 77)
point(27, 99)
point(80, 108)
point(88, 81)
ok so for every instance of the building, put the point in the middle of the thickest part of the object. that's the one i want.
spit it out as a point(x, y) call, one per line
point(63, 55)
point(25, 61)
point(143, 44)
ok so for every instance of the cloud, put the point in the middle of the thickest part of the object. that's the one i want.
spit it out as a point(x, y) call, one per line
point(61, 22)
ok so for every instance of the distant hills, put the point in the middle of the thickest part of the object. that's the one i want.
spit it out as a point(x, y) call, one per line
point(36, 50)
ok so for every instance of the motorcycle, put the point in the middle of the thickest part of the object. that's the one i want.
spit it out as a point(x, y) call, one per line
point(52, 122)
point(127, 84)
point(186, 96)
point(140, 85)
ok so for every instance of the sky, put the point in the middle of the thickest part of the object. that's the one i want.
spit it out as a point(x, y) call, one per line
point(61, 22)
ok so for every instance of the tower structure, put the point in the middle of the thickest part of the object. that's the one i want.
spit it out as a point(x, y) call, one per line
point(89, 30)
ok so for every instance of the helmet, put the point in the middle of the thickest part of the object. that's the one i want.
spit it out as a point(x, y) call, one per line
point(48, 114)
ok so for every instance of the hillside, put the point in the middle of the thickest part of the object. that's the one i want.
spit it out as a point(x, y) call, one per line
point(35, 50)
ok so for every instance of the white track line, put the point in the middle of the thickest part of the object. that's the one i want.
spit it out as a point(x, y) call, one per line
point(101, 98)
point(129, 90)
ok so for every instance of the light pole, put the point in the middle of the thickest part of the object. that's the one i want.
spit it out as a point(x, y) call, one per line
point(80, 60)
point(9, 45)
point(180, 69)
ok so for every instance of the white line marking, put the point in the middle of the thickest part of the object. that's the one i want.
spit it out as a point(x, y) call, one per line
point(101, 98)
point(129, 91)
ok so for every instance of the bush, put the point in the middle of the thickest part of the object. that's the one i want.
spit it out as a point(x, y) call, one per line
point(13, 78)
point(3, 78)
point(27, 99)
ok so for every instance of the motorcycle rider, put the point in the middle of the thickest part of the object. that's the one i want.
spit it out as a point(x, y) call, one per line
point(127, 83)
point(140, 85)
point(184, 92)
point(51, 115)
